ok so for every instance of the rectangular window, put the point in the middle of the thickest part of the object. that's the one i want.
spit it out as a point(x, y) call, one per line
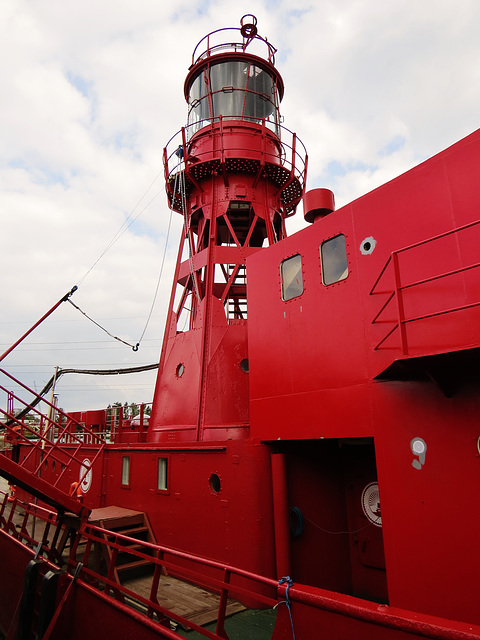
point(125, 471)
point(162, 477)
point(292, 278)
point(333, 254)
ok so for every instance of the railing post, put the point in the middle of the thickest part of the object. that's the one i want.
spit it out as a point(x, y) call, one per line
point(280, 514)
point(222, 607)
point(10, 405)
point(399, 300)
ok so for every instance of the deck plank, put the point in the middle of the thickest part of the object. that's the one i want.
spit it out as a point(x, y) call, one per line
point(185, 599)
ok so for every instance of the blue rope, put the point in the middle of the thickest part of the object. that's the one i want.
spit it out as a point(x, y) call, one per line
point(289, 583)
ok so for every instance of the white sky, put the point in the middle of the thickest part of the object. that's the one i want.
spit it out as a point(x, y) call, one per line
point(92, 91)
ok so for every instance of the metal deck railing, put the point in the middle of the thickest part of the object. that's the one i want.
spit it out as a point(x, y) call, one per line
point(81, 569)
point(54, 439)
point(394, 303)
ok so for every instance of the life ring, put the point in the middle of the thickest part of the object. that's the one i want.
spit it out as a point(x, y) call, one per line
point(296, 521)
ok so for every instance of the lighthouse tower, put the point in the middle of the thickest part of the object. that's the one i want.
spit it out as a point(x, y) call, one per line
point(234, 174)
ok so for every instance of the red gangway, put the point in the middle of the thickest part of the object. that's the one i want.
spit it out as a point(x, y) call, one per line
point(53, 438)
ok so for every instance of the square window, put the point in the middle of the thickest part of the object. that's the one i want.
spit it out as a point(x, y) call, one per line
point(292, 277)
point(333, 254)
point(162, 476)
point(125, 471)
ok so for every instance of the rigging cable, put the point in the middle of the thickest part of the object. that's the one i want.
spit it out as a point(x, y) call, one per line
point(186, 223)
point(159, 279)
point(289, 582)
point(122, 230)
point(124, 227)
point(134, 347)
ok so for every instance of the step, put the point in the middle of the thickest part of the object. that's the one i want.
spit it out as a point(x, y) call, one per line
point(127, 531)
point(113, 517)
point(133, 565)
point(132, 547)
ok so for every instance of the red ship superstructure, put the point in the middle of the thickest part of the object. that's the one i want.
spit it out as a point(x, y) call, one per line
point(313, 444)
point(234, 175)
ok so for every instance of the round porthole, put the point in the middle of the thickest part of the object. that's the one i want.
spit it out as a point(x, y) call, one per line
point(179, 370)
point(215, 484)
point(367, 246)
point(244, 365)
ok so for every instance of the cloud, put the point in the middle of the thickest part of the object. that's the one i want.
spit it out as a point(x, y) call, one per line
point(91, 93)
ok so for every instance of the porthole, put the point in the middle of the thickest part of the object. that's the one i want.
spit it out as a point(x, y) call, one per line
point(367, 246)
point(180, 370)
point(215, 483)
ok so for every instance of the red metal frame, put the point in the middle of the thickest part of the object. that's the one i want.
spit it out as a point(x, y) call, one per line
point(44, 317)
point(228, 581)
point(399, 288)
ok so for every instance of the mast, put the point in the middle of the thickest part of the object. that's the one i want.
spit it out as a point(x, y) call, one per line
point(235, 175)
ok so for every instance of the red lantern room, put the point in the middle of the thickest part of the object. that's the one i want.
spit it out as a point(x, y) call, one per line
point(234, 174)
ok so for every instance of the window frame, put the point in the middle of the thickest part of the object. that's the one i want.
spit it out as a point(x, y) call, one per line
point(322, 260)
point(282, 289)
point(165, 491)
point(126, 485)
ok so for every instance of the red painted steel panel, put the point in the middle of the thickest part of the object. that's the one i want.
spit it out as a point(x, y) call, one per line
point(430, 528)
point(314, 359)
point(324, 339)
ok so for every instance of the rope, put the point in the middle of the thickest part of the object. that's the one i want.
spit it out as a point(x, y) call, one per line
point(186, 225)
point(337, 533)
point(134, 347)
point(159, 278)
point(122, 230)
point(124, 227)
point(289, 582)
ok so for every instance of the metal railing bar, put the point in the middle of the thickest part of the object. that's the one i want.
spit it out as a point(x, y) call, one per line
point(439, 236)
point(438, 277)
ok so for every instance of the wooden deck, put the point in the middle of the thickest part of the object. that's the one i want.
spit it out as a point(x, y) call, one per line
point(197, 605)
point(194, 603)
point(187, 600)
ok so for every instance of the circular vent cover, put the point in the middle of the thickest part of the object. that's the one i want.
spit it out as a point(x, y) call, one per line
point(371, 504)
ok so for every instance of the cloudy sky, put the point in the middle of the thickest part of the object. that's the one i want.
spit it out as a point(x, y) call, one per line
point(92, 91)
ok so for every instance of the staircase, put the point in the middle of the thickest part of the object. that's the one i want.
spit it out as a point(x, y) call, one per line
point(53, 439)
point(123, 563)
